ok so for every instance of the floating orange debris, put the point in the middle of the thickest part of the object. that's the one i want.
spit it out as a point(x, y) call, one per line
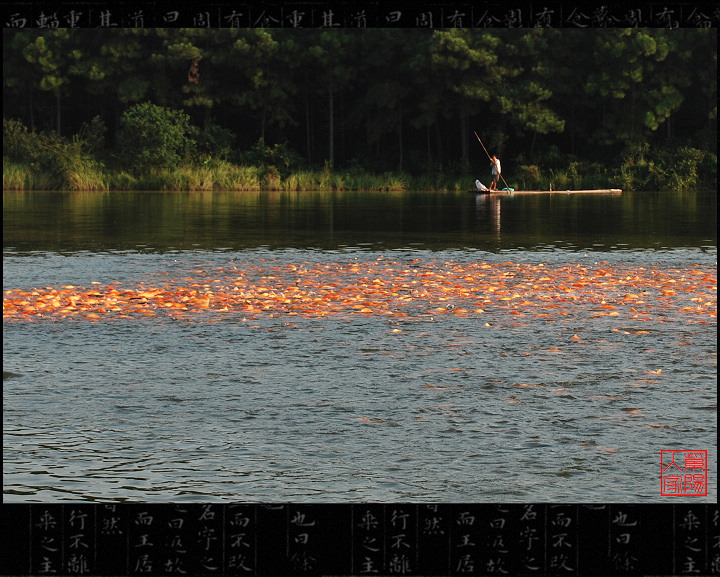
point(389, 288)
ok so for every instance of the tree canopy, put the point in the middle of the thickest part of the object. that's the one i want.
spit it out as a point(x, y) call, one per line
point(407, 98)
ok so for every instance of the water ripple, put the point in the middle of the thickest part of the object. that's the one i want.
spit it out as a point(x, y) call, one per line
point(446, 410)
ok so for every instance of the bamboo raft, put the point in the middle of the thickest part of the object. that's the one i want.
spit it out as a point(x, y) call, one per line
point(588, 191)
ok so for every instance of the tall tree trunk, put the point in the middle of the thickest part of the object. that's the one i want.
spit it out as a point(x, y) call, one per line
point(116, 117)
point(572, 130)
point(308, 131)
point(341, 112)
point(438, 138)
point(464, 152)
point(331, 128)
point(32, 110)
point(262, 121)
point(429, 146)
point(632, 115)
point(57, 102)
point(400, 140)
point(532, 144)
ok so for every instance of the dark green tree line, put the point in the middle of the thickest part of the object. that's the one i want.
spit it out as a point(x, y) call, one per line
point(384, 99)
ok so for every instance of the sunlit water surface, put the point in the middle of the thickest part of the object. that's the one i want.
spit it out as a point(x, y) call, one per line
point(425, 406)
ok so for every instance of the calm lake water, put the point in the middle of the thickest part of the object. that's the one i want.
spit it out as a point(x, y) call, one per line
point(426, 347)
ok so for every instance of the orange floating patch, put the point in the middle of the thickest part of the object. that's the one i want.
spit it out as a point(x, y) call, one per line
point(365, 288)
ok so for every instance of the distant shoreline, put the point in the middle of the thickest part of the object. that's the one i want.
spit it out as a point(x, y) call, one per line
point(224, 176)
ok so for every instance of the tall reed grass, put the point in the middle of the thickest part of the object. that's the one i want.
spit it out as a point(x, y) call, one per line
point(85, 176)
point(82, 173)
point(303, 180)
point(576, 176)
point(220, 175)
point(15, 176)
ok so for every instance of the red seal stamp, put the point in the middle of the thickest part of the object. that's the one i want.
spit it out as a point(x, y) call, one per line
point(683, 473)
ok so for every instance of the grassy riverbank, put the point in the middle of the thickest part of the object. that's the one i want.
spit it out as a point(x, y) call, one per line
point(46, 161)
point(223, 175)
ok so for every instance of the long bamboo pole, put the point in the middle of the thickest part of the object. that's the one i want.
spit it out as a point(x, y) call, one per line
point(490, 158)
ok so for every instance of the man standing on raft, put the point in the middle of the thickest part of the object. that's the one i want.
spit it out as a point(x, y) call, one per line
point(495, 163)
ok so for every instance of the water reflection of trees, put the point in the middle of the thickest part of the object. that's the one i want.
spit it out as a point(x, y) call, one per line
point(327, 220)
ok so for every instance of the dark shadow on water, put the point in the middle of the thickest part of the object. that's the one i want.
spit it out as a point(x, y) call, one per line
point(179, 221)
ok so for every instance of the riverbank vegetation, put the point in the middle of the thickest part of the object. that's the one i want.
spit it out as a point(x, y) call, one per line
point(278, 109)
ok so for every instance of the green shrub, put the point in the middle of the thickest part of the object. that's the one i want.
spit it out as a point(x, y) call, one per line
point(15, 176)
point(684, 174)
point(213, 142)
point(280, 157)
point(50, 160)
point(92, 136)
point(636, 171)
point(707, 171)
point(153, 137)
point(19, 144)
point(558, 180)
point(680, 169)
point(530, 176)
point(36, 149)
